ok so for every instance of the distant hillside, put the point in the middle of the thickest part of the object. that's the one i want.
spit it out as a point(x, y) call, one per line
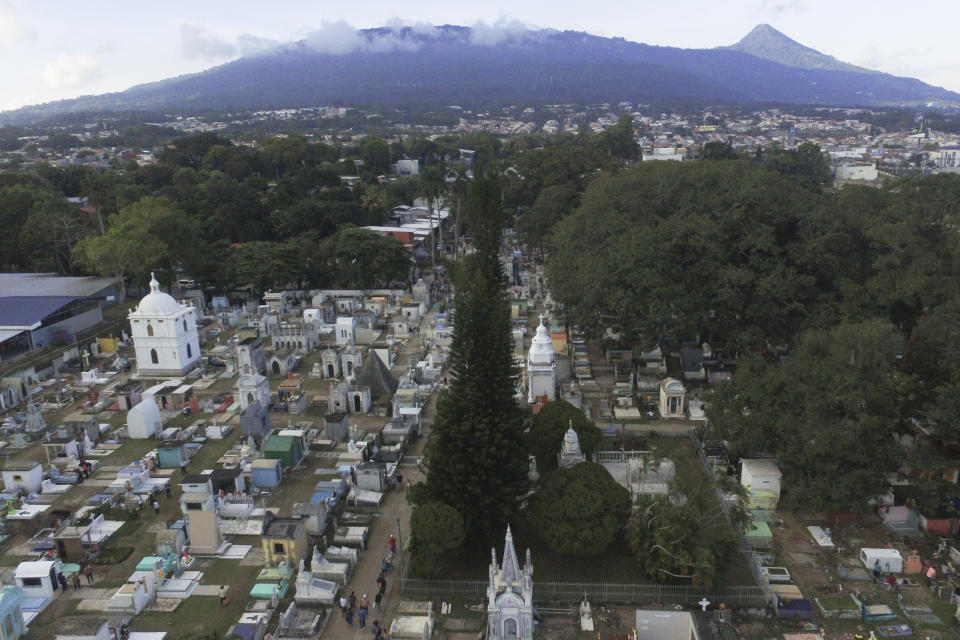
point(453, 65)
point(765, 42)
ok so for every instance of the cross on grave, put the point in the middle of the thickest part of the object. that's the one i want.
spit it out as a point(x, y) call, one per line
point(704, 603)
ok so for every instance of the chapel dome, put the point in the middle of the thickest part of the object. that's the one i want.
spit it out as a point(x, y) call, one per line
point(158, 303)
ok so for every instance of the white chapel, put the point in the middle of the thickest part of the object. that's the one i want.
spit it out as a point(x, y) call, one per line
point(164, 334)
point(541, 367)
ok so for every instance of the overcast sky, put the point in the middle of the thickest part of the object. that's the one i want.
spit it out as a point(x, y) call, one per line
point(54, 49)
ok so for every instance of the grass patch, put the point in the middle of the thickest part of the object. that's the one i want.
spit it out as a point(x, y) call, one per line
point(201, 617)
point(114, 555)
point(128, 528)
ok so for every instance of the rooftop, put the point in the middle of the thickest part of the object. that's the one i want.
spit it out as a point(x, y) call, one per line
point(34, 285)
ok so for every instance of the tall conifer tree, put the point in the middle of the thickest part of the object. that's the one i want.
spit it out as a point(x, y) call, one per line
point(476, 458)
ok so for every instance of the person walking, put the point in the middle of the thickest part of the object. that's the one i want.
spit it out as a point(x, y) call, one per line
point(420, 464)
point(76, 581)
point(382, 585)
point(393, 543)
point(166, 490)
point(364, 603)
point(62, 579)
point(876, 571)
point(343, 605)
point(931, 574)
point(156, 506)
point(376, 630)
point(223, 595)
point(349, 616)
point(362, 618)
point(139, 503)
point(377, 599)
point(88, 572)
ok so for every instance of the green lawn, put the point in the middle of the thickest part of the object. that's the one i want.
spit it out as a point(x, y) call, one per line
point(200, 617)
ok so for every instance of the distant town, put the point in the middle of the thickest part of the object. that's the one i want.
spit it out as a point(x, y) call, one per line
point(863, 145)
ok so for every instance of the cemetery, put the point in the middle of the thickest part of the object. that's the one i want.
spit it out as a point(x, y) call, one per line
point(240, 469)
point(264, 475)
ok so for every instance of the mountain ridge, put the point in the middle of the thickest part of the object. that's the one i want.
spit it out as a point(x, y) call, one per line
point(450, 64)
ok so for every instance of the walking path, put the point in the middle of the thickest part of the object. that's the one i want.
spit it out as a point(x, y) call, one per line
point(392, 518)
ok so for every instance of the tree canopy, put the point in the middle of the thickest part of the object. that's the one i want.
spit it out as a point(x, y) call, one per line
point(579, 511)
point(828, 413)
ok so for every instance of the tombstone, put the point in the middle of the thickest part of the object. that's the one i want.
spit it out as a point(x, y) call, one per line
point(336, 426)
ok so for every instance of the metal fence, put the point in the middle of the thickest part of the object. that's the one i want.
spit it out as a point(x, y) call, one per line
point(748, 595)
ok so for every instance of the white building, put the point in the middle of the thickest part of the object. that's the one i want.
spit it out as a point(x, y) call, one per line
point(541, 367)
point(164, 334)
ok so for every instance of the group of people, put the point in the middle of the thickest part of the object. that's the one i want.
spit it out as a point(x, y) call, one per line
point(349, 604)
point(85, 568)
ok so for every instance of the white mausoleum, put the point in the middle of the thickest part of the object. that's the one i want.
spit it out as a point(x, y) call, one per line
point(541, 367)
point(164, 334)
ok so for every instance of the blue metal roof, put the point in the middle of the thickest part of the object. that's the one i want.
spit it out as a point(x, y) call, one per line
point(27, 312)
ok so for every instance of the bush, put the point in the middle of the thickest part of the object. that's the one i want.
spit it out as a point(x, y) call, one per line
point(579, 511)
point(436, 529)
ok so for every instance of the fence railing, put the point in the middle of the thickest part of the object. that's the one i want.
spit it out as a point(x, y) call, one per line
point(747, 595)
point(618, 456)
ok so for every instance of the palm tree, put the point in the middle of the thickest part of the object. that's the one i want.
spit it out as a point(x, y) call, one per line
point(458, 196)
point(432, 188)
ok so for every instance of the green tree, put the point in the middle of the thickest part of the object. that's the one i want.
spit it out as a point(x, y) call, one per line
point(143, 237)
point(263, 264)
point(16, 202)
point(375, 153)
point(690, 250)
point(364, 259)
point(189, 151)
point(718, 151)
point(579, 511)
point(618, 141)
point(688, 538)
point(50, 233)
point(475, 455)
point(828, 414)
point(545, 437)
point(436, 530)
point(552, 205)
point(806, 165)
